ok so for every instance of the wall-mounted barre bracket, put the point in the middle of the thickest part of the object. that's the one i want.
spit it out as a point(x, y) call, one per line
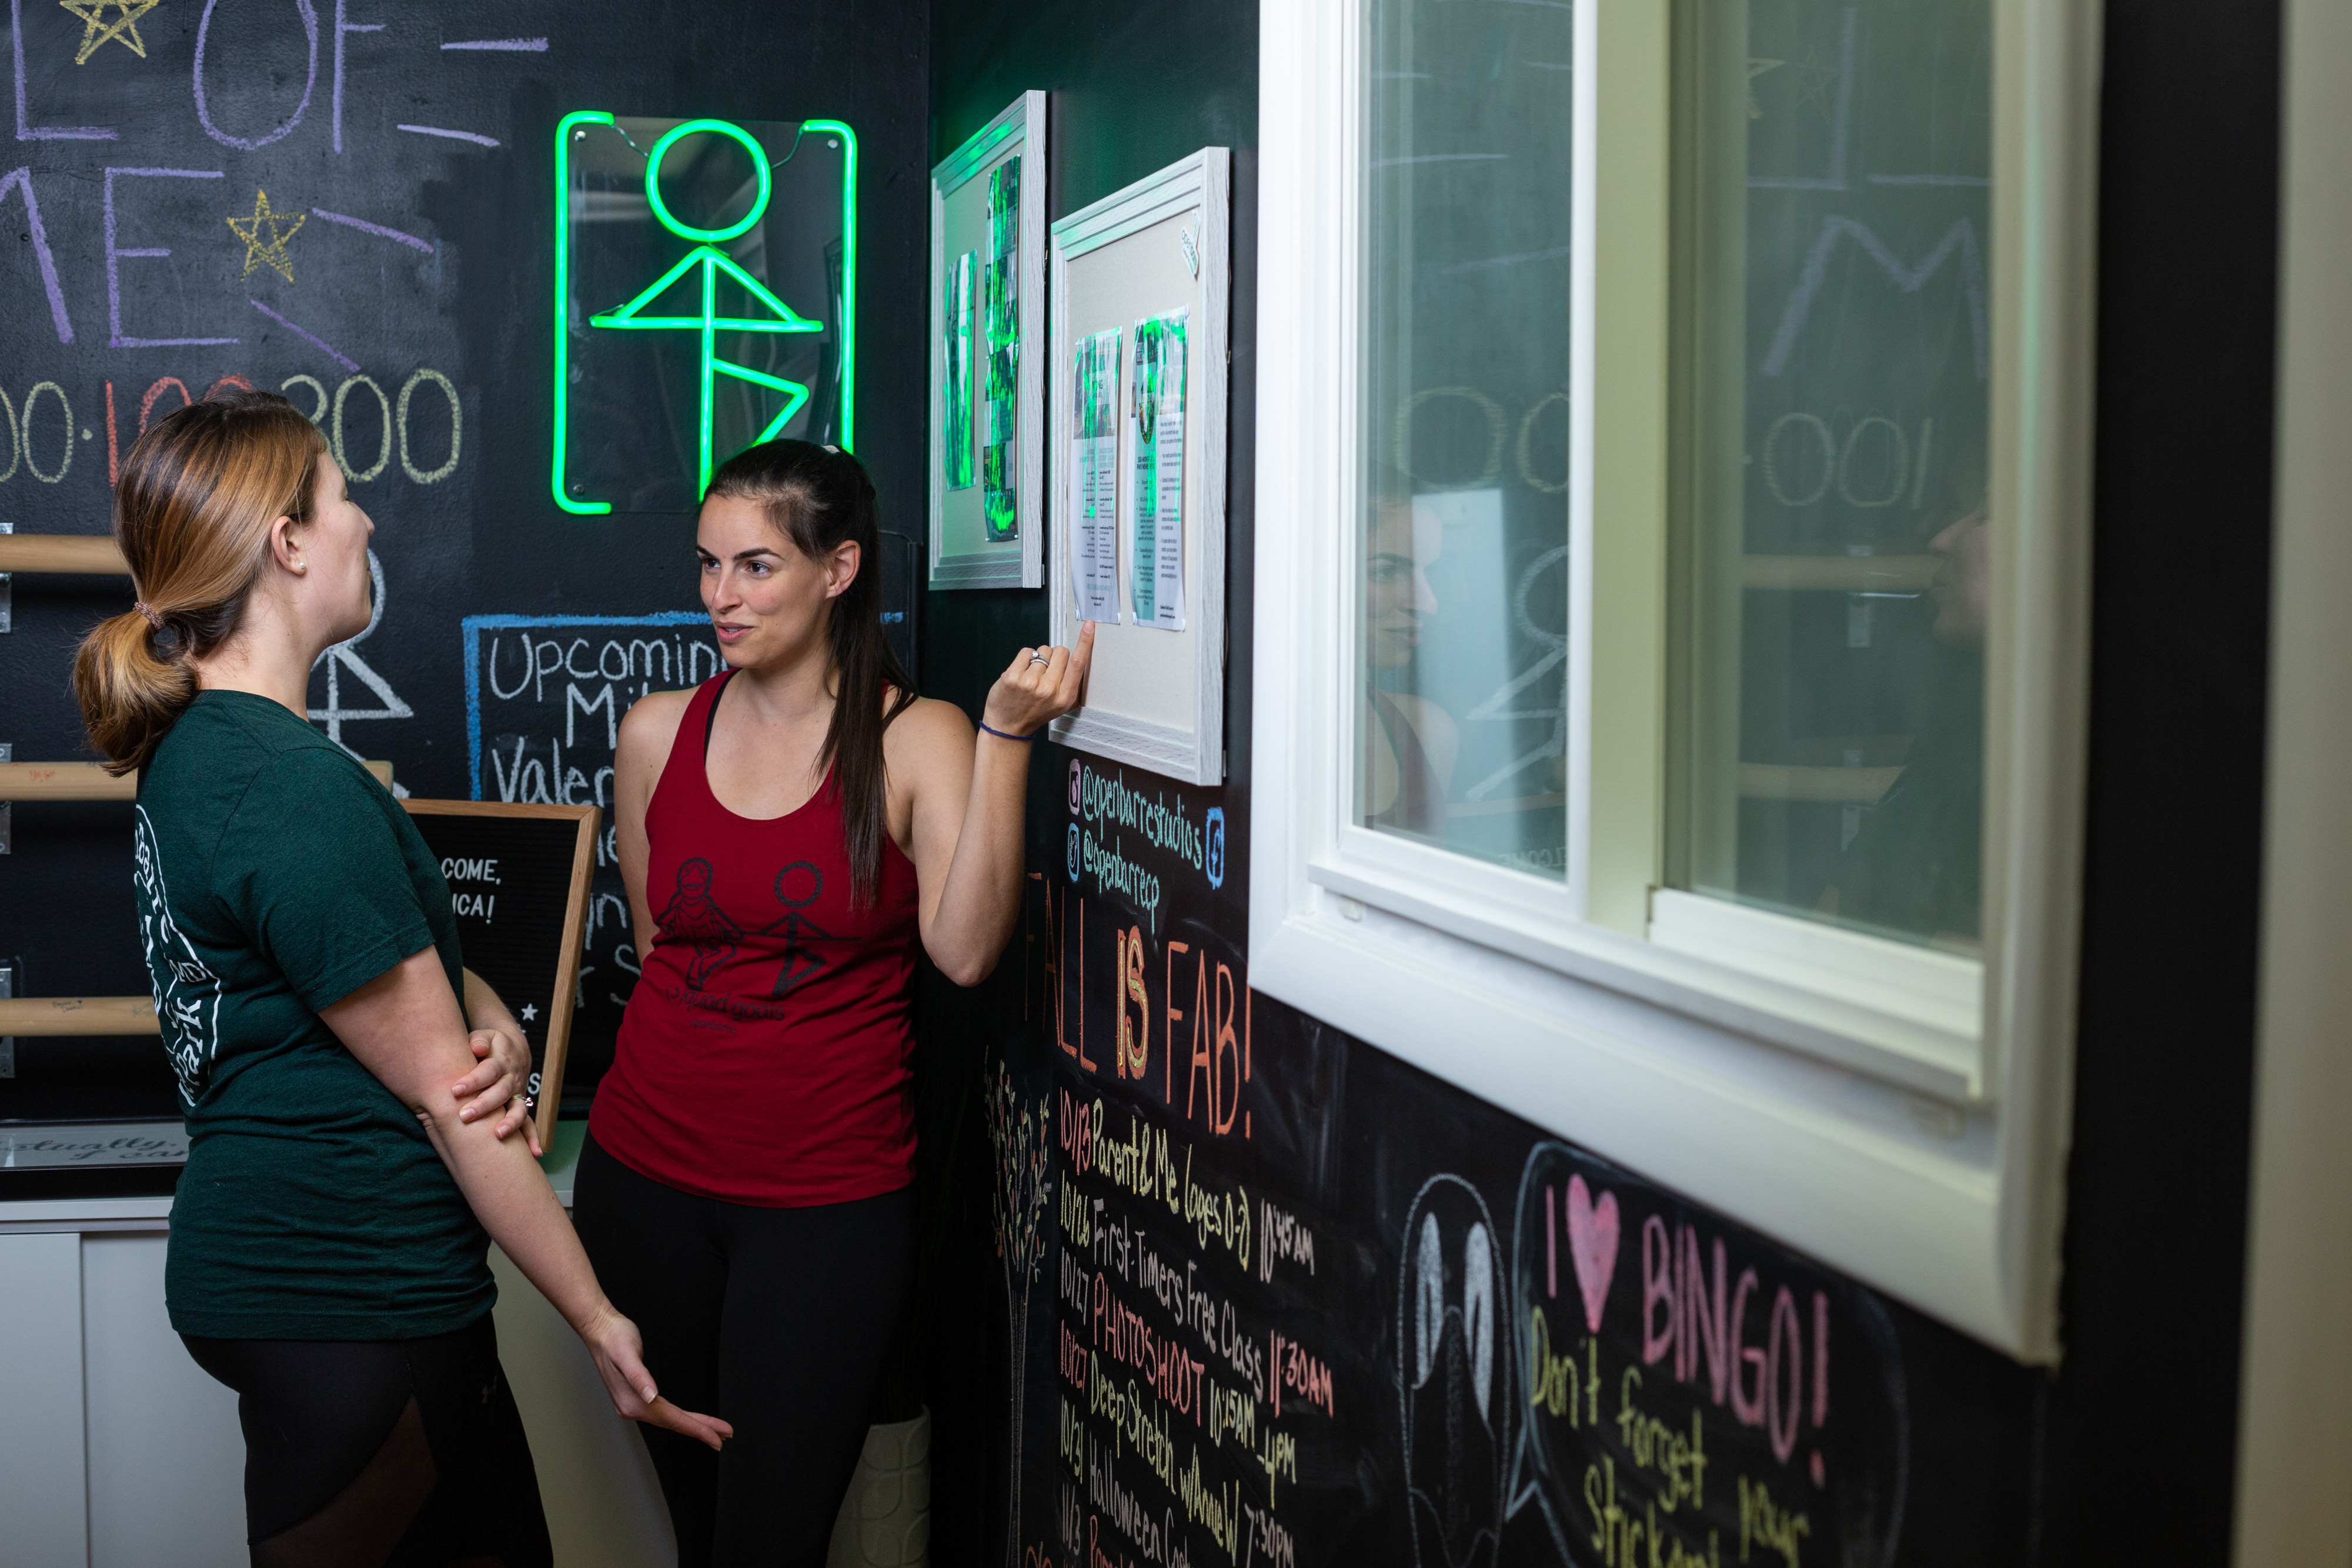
point(77, 1015)
point(84, 553)
point(91, 782)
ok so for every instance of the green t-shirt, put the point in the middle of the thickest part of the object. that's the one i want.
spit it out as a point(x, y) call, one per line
point(275, 877)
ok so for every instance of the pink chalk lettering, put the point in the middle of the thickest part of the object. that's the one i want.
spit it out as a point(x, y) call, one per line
point(1749, 1407)
point(1784, 1434)
point(1592, 1248)
point(1657, 1282)
point(1706, 1333)
point(1821, 1359)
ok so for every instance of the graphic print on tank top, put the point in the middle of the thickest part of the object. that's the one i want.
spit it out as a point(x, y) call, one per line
point(767, 1053)
point(800, 965)
point(694, 917)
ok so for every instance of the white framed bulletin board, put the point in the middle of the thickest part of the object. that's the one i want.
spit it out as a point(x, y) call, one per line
point(987, 354)
point(1138, 372)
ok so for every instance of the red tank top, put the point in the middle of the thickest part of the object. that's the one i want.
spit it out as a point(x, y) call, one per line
point(766, 1055)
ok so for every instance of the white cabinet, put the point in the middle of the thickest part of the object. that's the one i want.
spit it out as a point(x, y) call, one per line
point(117, 1451)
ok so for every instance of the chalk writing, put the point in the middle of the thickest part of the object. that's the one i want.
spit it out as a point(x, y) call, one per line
point(1019, 1140)
point(97, 30)
point(1762, 1523)
point(1300, 1372)
point(1121, 1334)
point(267, 250)
point(1119, 1506)
point(1137, 1422)
point(1628, 1539)
point(1282, 1239)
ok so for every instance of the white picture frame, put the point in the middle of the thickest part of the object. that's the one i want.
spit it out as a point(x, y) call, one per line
point(960, 555)
point(1155, 698)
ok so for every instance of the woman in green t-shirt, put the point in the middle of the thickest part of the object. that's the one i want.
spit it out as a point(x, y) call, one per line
point(329, 1247)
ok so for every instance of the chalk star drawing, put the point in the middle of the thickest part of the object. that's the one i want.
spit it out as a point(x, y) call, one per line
point(272, 251)
point(96, 31)
point(344, 656)
point(1813, 79)
point(1757, 67)
point(530, 1012)
point(708, 262)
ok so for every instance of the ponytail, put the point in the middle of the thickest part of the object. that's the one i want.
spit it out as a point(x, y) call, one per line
point(130, 692)
point(821, 498)
point(192, 514)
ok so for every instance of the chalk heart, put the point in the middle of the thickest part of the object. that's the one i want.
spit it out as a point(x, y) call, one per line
point(1592, 1246)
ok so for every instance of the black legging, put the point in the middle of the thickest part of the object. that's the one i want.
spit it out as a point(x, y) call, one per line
point(408, 1452)
point(775, 1319)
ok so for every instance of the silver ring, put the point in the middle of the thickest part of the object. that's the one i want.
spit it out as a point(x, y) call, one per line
point(1041, 658)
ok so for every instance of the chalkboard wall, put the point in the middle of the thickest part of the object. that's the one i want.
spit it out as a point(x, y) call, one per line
point(414, 147)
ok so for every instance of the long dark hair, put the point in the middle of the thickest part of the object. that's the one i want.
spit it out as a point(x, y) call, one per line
point(821, 498)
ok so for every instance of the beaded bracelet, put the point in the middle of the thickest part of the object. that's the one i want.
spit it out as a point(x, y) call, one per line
point(1004, 734)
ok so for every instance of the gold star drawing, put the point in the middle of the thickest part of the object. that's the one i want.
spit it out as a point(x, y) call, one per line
point(96, 30)
point(273, 249)
point(1757, 67)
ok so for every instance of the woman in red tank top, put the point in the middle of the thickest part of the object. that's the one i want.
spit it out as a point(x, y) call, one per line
point(788, 833)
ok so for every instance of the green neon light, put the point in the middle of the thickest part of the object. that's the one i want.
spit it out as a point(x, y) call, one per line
point(706, 323)
point(716, 128)
point(848, 273)
point(563, 130)
point(710, 262)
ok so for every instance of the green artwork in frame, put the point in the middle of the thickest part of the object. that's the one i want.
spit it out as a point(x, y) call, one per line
point(955, 346)
point(1001, 314)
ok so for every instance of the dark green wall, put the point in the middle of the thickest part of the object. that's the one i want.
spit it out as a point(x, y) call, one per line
point(1130, 88)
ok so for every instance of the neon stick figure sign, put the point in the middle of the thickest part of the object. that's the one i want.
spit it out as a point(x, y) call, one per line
point(769, 264)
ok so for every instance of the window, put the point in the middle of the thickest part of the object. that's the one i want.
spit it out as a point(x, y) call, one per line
point(1668, 662)
point(1835, 521)
point(1466, 164)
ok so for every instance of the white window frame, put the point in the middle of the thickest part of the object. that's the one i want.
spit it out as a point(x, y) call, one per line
point(1900, 1113)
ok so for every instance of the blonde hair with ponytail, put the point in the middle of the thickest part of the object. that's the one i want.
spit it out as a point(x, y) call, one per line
point(192, 514)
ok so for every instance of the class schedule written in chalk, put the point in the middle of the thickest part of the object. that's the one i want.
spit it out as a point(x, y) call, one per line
point(1094, 476)
point(1158, 411)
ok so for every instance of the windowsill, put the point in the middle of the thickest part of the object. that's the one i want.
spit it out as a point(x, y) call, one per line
point(1933, 1050)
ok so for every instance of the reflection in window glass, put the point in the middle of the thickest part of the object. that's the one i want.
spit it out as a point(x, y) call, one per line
point(1833, 510)
point(1463, 537)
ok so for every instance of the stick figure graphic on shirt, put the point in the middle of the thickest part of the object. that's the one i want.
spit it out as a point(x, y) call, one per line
point(800, 965)
point(693, 917)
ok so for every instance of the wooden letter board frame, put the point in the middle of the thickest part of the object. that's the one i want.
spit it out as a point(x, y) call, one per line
point(1154, 698)
point(575, 931)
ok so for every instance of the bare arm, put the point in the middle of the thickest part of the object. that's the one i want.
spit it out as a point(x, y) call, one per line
point(647, 731)
point(497, 1041)
point(968, 807)
point(404, 1027)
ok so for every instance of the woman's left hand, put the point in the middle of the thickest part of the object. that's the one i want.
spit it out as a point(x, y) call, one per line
point(1040, 686)
point(499, 1081)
